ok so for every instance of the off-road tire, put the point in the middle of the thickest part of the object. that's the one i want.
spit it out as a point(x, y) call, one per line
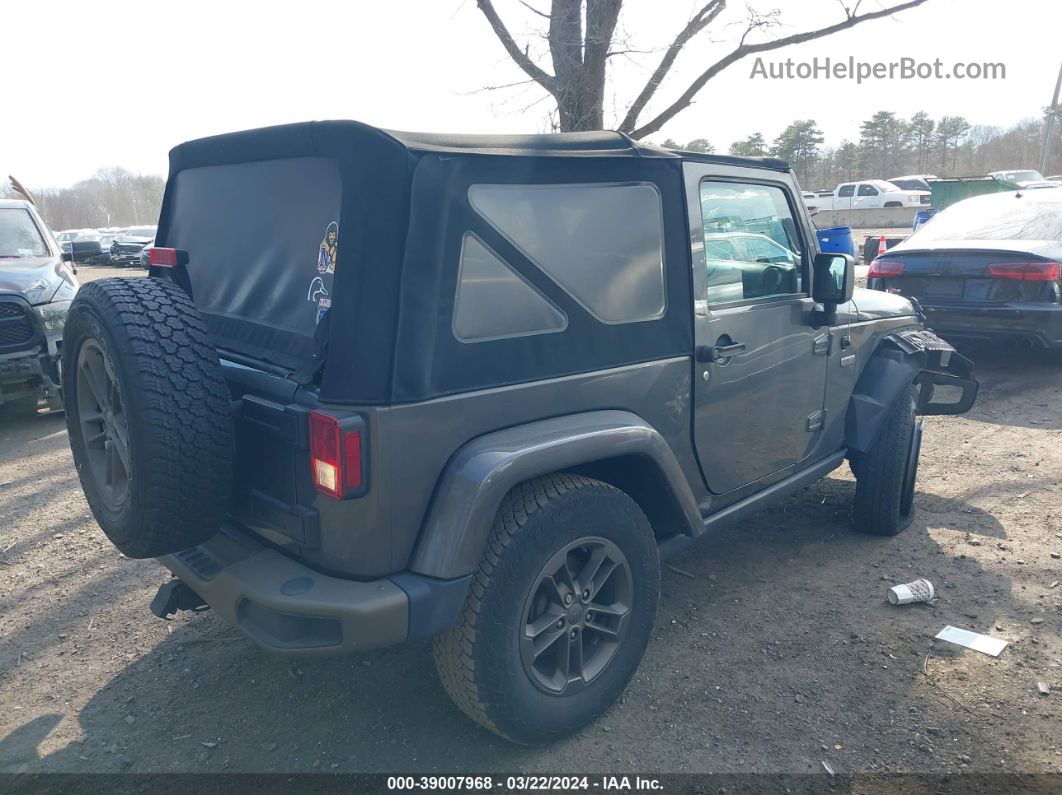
point(177, 410)
point(479, 660)
point(885, 474)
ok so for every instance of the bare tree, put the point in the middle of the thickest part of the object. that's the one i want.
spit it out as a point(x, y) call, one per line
point(580, 58)
point(111, 197)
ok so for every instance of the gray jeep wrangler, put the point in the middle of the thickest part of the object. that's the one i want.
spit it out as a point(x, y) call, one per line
point(383, 386)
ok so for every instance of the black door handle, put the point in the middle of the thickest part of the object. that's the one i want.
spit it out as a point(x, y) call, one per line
point(719, 353)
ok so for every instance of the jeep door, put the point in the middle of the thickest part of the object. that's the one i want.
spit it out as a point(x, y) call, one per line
point(760, 367)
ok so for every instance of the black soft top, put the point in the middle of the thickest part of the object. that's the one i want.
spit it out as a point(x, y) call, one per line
point(600, 143)
point(252, 209)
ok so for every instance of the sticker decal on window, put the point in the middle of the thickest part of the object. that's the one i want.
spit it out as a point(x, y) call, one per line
point(326, 257)
point(319, 292)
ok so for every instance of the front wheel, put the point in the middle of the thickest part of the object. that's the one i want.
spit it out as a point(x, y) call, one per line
point(559, 612)
point(886, 474)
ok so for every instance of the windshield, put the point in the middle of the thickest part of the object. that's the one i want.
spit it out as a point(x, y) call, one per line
point(19, 236)
point(1020, 176)
point(998, 217)
point(141, 231)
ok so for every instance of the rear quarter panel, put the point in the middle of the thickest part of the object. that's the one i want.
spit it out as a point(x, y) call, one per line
point(411, 444)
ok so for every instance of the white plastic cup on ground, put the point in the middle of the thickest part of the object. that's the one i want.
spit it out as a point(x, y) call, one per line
point(910, 592)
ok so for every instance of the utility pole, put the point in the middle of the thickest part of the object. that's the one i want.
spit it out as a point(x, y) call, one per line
point(1049, 123)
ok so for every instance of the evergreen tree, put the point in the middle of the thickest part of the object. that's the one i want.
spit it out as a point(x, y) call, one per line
point(799, 146)
point(700, 145)
point(951, 130)
point(846, 160)
point(883, 138)
point(921, 129)
point(753, 146)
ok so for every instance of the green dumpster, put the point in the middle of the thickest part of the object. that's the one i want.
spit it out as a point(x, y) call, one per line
point(948, 191)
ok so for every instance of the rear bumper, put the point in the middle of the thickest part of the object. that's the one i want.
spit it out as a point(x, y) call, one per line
point(289, 608)
point(1037, 325)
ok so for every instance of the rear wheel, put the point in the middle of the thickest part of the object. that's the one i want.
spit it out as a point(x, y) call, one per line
point(147, 412)
point(559, 612)
point(886, 474)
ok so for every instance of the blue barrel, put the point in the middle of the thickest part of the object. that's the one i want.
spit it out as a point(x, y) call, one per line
point(922, 216)
point(837, 240)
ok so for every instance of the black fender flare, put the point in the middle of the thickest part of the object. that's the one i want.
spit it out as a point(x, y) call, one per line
point(902, 358)
point(886, 376)
point(482, 472)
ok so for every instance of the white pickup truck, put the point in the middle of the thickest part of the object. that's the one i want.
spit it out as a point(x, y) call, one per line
point(871, 193)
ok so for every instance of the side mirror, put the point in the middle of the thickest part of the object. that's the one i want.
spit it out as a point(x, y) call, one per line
point(833, 282)
point(84, 249)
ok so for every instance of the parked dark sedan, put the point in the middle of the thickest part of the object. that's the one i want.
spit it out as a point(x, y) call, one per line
point(126, 247)
point(988, 268)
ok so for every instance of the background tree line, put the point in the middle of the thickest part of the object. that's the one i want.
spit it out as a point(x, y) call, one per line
point(888, 146)
point(891, 146)
point(110, 197)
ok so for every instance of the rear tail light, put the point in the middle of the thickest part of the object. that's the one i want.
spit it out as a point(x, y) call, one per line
point(884, 269)
point(336, 455)
point(167, 257)
point(1026, 271)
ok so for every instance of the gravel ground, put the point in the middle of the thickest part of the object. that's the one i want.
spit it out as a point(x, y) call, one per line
point(774, 650)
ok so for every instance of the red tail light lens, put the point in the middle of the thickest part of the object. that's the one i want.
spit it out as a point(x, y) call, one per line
point(1026, 271)
point(884, 269)
point(351, 460)
point(167, 257)
point(335, 456)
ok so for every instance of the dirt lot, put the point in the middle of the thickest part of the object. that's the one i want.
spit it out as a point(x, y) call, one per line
point(774, 650)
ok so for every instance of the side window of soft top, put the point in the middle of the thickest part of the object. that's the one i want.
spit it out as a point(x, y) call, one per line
point(601, 243)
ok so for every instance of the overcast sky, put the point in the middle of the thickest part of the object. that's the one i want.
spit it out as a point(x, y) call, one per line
point(108, 82)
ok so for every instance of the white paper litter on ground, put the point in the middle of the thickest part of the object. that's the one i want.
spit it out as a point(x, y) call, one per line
point(973, 640)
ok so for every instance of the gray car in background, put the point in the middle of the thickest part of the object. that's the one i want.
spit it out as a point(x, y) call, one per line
point(126, 246)
point(36, 287)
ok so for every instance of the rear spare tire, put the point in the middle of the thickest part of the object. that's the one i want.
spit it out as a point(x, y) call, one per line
point(147, 410)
